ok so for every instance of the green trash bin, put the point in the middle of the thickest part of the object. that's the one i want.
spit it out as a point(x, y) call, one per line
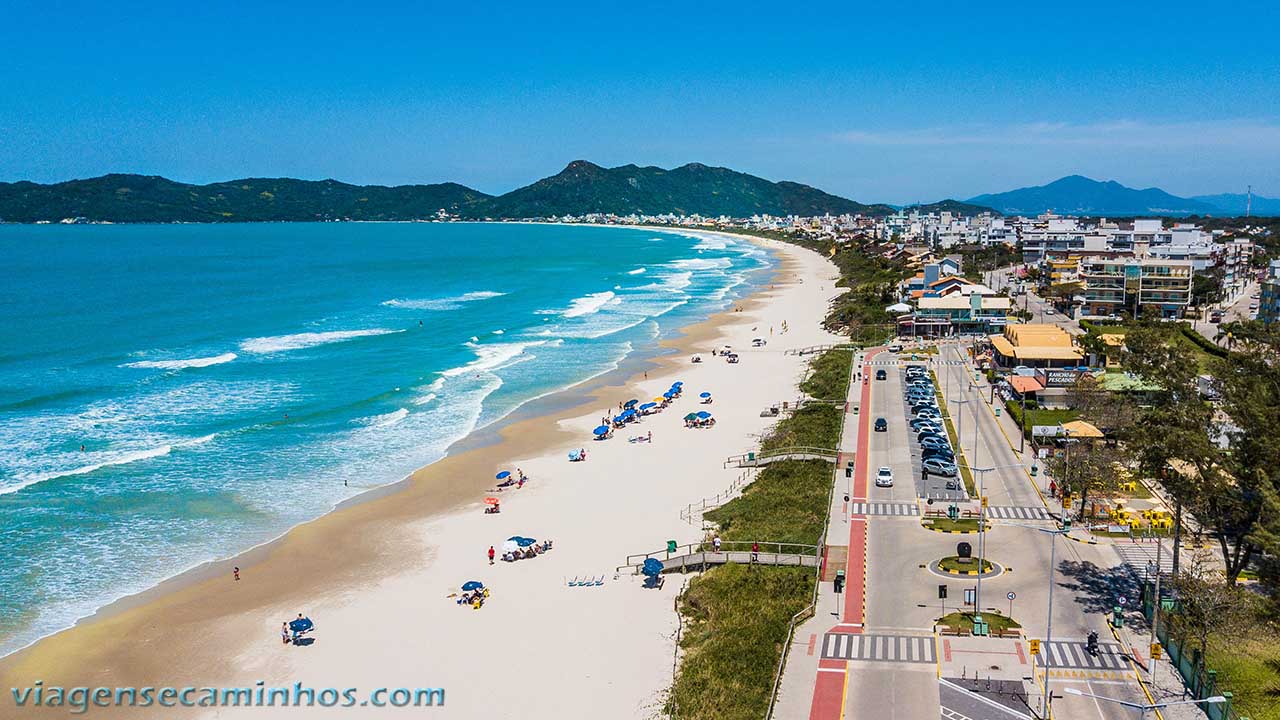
point(671, 546)
point(751, 457)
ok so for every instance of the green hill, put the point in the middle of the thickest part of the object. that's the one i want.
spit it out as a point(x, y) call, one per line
point(141, 198)
point(954, 207)
point(584, 187)
point(580, 189)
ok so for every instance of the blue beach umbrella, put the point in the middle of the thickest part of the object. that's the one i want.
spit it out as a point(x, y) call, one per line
point(646, 406)
point(602, 430)
point(651, 567)
point(503, 475)
point(525, 542)
point(472, 585)
point(668, 394)
point(631, 402)
point(704, 415)
point(678, 384)
point(619, 419)
point(705, 395)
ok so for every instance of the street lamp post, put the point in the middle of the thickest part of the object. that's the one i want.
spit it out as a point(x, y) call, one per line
point(1144, 708)
point(982, 526)
point(1046, 702)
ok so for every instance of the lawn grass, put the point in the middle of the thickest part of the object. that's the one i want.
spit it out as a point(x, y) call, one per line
point(953, 563)
point(963, 621)
point(961, 525)
point(736, 619)
point(1249, 667)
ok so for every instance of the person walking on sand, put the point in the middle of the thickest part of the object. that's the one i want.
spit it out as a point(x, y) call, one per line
point(491, 554)
point(235, 571)
point(649, 437)
point(284, 633)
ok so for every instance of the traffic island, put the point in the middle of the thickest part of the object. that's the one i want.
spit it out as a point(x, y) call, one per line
point(993, 623)
point(964, 526)
point(965, 567)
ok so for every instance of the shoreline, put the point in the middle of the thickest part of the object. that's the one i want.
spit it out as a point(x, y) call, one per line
point(480, 438)
point(425, 496)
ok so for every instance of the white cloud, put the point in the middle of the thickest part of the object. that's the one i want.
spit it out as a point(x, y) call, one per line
point(1242, 133)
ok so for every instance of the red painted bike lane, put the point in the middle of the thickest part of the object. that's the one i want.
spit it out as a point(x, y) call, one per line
point(829, 687)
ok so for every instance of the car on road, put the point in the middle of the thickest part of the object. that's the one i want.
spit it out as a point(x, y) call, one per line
point(1049, 311)
point(916, 407)
point(882, 425)
point(894, 348)
point(928, 414)
point(939, 467)
point(931, 443)
point(880, 375)
point(953, 485)
point(884, 477)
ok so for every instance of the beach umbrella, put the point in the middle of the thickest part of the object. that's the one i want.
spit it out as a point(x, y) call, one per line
point(619, 419)
point(472, 585)
point(491, 501)
point(667, 395)
point(659, 399)
point(648, 405)
point(525, 542)
point(651, 567)
point(705, 395)
point(510, 546)
point(691, 416)
point(678, 383)
point(503, 475)
point(703, 415)
point(630, 402)
point(602, 430)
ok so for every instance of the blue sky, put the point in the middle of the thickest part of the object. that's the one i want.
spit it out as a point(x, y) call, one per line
point(911, 101)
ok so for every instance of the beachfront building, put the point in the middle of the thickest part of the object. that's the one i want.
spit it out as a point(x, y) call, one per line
point(1110, 285)
point(1035, 345)
point(1269, 304)
point(956, 313)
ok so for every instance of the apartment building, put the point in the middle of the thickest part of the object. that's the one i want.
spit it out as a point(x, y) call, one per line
point(1111, 285)
point(1269, 305)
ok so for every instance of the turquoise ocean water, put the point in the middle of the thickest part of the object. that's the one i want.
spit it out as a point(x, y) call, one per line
point(224, 380)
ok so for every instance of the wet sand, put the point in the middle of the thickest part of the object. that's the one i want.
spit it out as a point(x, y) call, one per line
point(375, 574)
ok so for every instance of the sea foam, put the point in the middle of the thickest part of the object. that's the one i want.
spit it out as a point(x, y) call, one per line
point(183, 364)
point(284, 343)
point(445, 303)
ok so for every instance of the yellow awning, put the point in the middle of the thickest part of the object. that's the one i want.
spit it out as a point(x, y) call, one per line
point(1081, 429)
point(1002, 345)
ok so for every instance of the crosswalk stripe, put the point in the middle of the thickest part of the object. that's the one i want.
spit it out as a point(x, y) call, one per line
point(888, 648)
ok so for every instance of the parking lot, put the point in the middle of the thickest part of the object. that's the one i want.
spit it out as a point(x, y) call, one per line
point(929, 486)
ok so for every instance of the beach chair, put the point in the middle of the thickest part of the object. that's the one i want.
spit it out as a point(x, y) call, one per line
point(598, 581)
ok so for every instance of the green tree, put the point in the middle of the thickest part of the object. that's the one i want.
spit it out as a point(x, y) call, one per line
point(1086, 469)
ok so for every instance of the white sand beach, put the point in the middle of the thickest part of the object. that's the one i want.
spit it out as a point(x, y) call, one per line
point(376, 577)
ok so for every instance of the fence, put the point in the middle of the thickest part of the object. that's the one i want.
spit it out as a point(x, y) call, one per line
point(797, 452)
point(696, 509)
point(1201, 682)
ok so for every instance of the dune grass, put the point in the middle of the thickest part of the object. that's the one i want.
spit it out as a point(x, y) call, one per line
point(787, 502)
point(736, 620)
point(811, 426)
point(736, 616)
point(829, 375)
